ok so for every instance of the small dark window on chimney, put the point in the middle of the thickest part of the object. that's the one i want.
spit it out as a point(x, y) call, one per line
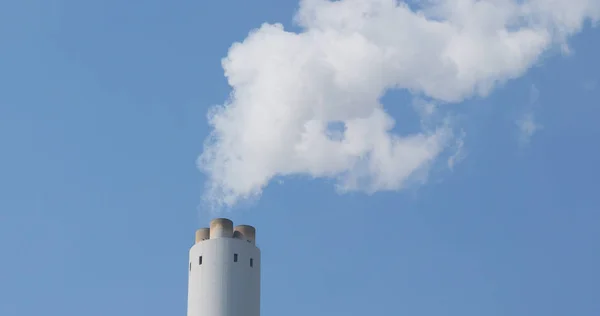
point(190, 266)
point(251, 262)
point(200, 260)
point(235, 257)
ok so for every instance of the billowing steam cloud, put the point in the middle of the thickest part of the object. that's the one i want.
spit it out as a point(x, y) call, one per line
point(289, 88)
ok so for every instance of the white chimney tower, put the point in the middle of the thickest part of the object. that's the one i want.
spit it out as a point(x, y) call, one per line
point(224, 271)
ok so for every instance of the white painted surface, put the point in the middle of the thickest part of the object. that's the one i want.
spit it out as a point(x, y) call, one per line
point(219, 286)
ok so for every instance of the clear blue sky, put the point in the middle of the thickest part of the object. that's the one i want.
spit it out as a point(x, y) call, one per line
point(103, 114)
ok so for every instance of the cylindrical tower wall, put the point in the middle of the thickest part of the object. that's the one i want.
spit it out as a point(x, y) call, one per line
point(224, 277)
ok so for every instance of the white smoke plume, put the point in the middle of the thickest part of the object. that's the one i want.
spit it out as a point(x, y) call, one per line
point(289, 88)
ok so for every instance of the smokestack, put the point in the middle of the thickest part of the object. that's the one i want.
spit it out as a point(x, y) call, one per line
point(202, 234)
point(245, 232)
point(224, 271)
point(221, 227)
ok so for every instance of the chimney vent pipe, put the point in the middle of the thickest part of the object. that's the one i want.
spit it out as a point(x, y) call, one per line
point(245, 232)
point(221, 227)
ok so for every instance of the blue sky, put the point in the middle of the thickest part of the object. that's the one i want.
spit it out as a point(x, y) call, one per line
point(103, 115)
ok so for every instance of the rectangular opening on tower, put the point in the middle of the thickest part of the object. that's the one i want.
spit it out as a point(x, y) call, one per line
point(235, 257)
point(200, 260)
point(251, 262)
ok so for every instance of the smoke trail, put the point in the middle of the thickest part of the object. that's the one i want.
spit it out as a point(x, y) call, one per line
point(289, 88)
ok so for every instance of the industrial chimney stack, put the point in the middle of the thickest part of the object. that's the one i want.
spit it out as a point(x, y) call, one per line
point(224, 271)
